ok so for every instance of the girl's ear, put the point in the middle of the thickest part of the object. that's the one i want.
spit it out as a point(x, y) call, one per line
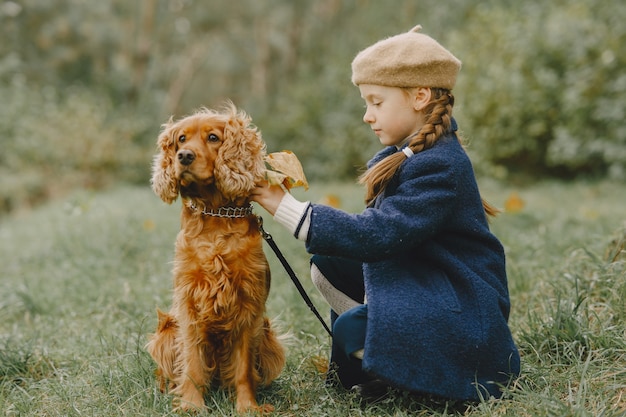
point(421, 97)
point(163, 180)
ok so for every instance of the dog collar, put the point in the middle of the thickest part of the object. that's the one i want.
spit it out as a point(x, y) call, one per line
point(228, 212)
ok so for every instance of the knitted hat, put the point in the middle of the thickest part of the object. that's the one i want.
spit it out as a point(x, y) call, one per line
point(407, 60)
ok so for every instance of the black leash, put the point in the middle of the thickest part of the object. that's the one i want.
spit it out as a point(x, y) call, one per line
point(270, 241)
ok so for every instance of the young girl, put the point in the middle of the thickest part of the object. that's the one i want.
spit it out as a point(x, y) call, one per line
point(416, 282)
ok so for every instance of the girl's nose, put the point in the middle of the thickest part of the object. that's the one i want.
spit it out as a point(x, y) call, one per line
point(367, 117)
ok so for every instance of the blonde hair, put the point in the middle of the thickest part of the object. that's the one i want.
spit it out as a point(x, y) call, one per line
point(438, 114)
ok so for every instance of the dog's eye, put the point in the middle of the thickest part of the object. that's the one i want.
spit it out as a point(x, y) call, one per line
point(182, 138)
point(213, 138)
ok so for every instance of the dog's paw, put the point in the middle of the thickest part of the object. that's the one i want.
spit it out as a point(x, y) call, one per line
point(191, 404)
point(262, 409)
point(266, 409)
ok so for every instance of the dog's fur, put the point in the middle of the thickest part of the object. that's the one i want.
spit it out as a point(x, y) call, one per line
point(216, 331)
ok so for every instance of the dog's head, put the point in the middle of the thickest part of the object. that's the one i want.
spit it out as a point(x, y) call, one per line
point(209, 147)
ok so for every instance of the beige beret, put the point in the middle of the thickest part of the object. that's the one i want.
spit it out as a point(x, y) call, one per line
point(410, 59)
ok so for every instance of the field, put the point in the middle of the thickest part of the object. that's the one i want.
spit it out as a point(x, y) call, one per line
point(82, 276)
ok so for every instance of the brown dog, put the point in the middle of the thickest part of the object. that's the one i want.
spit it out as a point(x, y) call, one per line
point(216, 330)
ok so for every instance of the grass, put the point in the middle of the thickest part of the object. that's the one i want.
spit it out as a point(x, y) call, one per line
point(82, 276)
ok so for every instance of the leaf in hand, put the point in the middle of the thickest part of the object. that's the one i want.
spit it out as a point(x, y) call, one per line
point(285, 168)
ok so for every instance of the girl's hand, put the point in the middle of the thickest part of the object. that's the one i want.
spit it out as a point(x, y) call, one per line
point(268, 196)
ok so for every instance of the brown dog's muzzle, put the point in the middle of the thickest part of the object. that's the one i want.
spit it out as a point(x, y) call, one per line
point(186, 156)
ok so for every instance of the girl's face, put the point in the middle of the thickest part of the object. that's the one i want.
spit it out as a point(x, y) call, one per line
point(392, 114)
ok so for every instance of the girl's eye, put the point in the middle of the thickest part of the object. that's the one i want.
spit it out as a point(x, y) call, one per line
point(213, 138)
point(182, 138)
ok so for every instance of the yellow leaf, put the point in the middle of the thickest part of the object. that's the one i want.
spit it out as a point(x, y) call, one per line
point(331, 200)
point(514, 203)
point(148, 225)
point(274, 178)
point(285, 168)
point(320, 364)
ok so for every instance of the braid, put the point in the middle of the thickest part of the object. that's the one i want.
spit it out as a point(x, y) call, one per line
point(438, 123)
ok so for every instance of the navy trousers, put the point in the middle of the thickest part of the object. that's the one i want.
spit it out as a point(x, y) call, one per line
point(350, 327)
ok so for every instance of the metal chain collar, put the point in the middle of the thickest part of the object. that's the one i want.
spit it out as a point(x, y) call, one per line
point(228, 212)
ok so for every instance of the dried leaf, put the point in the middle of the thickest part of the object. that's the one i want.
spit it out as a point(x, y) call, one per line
point(320, 364)
point(514, 203)
point(332, 200)
point(285, 168)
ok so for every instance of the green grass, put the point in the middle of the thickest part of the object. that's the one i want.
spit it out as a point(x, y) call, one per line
point(81, 278)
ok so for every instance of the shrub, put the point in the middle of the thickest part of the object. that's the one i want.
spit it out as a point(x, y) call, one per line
point(51, 144)
point(542, 87)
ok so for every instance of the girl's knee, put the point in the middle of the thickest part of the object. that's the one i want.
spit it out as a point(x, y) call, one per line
point(349, 330)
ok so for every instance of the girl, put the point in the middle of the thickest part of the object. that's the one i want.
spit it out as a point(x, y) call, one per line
point(416, 282)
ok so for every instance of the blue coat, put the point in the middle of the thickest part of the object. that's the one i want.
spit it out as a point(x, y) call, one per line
point(435, 278)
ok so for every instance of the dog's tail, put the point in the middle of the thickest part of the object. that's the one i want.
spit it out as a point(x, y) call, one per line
point(271, 359)
point(162, 346)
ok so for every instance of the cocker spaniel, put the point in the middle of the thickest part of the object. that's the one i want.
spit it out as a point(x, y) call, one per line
point(216, 331)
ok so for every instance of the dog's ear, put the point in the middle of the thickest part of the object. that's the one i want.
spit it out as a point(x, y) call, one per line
point(240, 160)
point(163, 180)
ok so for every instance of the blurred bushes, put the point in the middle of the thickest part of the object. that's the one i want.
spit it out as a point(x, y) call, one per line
point(52, 142)
point(543, 88)
point(86, 85)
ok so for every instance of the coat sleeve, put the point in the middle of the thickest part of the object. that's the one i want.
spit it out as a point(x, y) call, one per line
point(415, 209)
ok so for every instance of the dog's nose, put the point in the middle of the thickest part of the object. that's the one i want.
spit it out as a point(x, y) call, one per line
point(186, 157)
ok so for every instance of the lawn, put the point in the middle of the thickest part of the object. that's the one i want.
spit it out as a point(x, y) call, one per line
point(82, 277)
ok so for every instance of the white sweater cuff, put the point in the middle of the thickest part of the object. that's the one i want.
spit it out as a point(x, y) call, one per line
point(294, 215)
